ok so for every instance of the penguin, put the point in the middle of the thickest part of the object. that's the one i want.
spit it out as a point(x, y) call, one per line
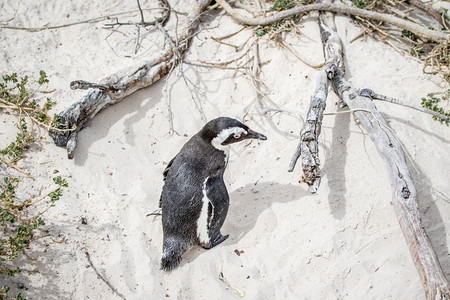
point(194, 200)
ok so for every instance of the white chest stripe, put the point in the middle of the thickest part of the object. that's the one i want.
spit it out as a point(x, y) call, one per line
point(221, 137)
point(202, 222)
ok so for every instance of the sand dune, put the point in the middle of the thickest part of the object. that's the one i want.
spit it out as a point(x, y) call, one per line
point(342, 243)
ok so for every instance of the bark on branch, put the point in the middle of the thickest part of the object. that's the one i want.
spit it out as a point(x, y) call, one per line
point(424, 33)
point(116, 87)
point(308, 147)
point(404, 195)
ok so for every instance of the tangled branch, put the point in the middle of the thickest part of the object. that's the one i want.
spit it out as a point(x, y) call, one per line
point(425, 33)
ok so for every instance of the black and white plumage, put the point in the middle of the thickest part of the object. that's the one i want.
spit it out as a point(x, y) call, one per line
point(194, 199)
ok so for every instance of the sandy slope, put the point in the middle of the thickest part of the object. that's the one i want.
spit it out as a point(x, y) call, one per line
point(343, 242)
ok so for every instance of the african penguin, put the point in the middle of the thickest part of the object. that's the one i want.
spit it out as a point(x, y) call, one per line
point(194, 199)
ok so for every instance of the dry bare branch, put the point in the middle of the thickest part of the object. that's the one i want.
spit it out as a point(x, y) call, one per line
point(404, 196)
point(308, 147)
point(420, 31)
point(117, 86)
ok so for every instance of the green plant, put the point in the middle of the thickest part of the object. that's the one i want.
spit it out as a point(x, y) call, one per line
point(20, 216)
point(260, 31)
point(279, 5)
point(408, 34)
point(15, 149)
point(4, 294)
point(273, 27)
point(18, 224)
point(361, 4)
point(15, 95)
point(416, 51)
point(431, 102)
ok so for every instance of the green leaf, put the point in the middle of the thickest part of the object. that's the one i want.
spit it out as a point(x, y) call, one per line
point(42, 77)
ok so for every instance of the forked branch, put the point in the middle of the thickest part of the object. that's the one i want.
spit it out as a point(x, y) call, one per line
point(404, 195)
point(116, 87)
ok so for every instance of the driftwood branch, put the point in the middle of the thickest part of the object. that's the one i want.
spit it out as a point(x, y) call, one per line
point(423, 32)
point(360, 102)
point(308, 147)
point(404, 196)
point(116, 87)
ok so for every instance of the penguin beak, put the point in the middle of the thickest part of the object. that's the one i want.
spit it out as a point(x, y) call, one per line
point(244, 135)
point(255, 135)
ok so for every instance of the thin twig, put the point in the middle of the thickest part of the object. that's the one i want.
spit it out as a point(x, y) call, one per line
point(101, 277)
point(141, 12)
point(289, 48)
point(14, 106)
point(11, 165)
point(14, 16)
point(211, 66)
point(155, 213)
point(238, 291)
point(373, 95)
point(93, 20)
point(229, 35)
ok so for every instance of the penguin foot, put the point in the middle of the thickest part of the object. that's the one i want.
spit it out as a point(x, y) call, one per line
point(216, 241)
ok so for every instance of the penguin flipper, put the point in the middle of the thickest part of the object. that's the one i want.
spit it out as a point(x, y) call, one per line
point(219, 201)
point(165, 172)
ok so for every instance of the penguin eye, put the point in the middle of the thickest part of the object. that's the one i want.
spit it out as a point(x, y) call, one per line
point(238, 135)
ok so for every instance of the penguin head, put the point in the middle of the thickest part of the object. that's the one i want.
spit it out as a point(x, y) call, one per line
point(224, 131)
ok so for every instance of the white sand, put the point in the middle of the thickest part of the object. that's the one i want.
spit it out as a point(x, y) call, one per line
point(342, 243)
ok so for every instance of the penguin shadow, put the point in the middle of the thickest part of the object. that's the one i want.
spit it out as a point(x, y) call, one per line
point(246, 205)
point(248, 202)
point(132, 109)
